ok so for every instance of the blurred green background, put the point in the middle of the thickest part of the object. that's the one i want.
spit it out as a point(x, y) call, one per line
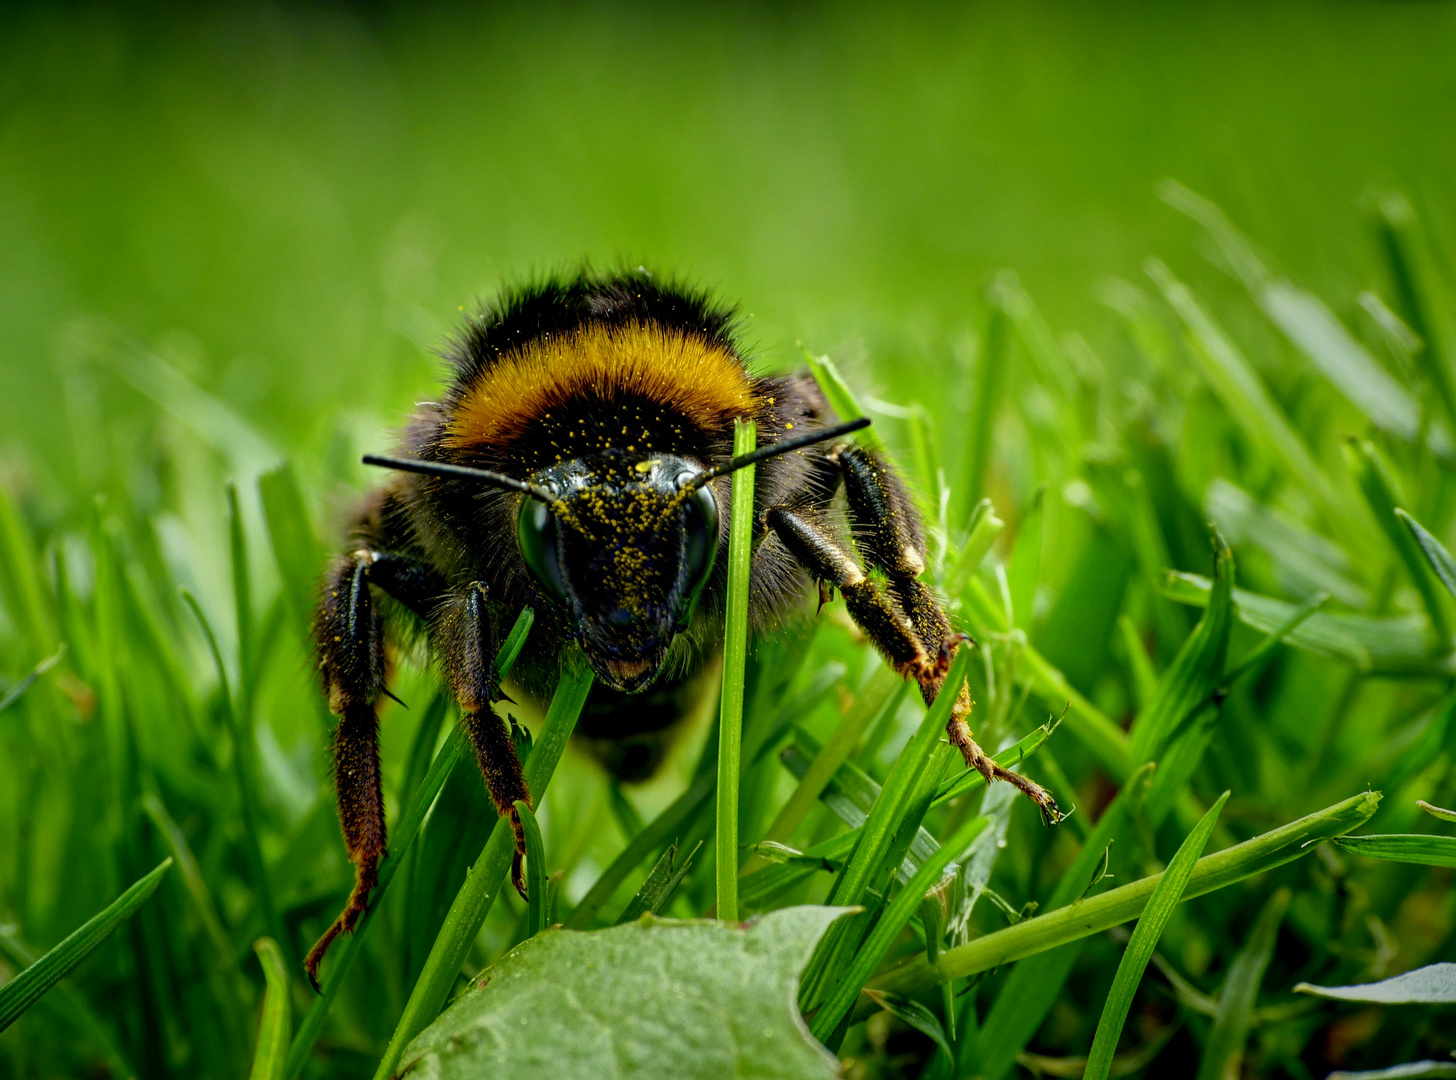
point(235, 235)
point(292, 202)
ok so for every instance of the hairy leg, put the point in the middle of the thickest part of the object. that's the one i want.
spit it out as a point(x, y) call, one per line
point(462, 637)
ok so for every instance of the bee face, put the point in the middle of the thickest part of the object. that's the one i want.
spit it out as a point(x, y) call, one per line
point(626, 549)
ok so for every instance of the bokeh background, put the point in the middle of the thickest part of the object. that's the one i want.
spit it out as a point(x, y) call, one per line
point(232, 235)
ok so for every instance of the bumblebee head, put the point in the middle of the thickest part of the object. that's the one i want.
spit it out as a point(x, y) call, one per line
point(625, 543)
point(626, 546)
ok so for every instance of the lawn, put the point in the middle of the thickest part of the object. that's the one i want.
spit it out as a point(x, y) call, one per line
point(1157, 315)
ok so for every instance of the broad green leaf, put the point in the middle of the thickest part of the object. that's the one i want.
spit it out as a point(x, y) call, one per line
point(1223, 1052)
point(1165, 897)
point(1434, 984)
point(30, 985)
point(275, 1029)
point(1406, 848)
point(1122, 904)
point(656, 997)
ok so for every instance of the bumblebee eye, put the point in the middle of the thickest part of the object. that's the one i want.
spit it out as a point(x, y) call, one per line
point(536, 537)
point(700, 522)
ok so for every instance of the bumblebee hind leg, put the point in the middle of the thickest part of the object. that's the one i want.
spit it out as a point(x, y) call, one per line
point(887, 530)
point(350, 639)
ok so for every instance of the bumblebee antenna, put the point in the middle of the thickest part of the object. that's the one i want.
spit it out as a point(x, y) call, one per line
point(463, 472)
point(774, 450)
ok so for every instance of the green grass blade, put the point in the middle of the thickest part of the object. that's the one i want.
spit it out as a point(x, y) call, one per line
point(735, 658)
point(1435, 552)
point(1223, 1052)
point(840, 397)
point(1382, 493)
point(1196, 671)
point(657, 890)
point(295, 548)
point(868, 704)
point(535, 870)
point(16, 692)
point(1406, 848)
point(1032, 988)
point(1398, 645)
point(1411, 1070)
point(1026, 562)
point(1274, 638)
point(28, 987)
point(242, 599)
point(1422, 293)
point(1145, 935)
point(1243, 393)
point(403, 835)
point(246, 776)
point(1437, 811)
point(1126, 902)
point(192, 880)
point(990, 366)
point(476, 897)
point(660, 830)
point(872, 952)
point(275, 1029)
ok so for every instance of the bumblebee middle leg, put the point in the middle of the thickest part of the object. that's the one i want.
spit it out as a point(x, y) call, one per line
point(887, 529)
point(461, 635)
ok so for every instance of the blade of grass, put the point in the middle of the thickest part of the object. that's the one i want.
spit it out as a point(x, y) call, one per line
point(1382, 493)
point(191, 873)
point(990, 365)
point(1223, 1052)
point(1434, 984)
point(840, 397)
point(476, 897)
point(1195, 672)
point(1437, 811)
point(1145, 935)
point(872, 952)
point(28, 987)
point(246, 776)
point(404, 834)
point(661, 883)
point(535, 870)
point(1434, 551)
point(1421, 292)
point(1126, 902)
point(1032, 988)
point(735, 657)
point(275, 1028)
point(1403, 847)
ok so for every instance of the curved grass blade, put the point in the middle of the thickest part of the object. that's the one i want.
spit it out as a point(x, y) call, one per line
point(275, 1029)
point(657, 890)
point(873, 951)
point(1411, 1070)
point(1437, 811)
point(840, 397)
point(1404, 847)
point(476, 897)
point(1434, 551)
point(1223, 1052)
point(404, 835)
point(1120, 905)
point(1434, 984)
point(535, 870)
point(735, 658)
point(1144, 940)
point(15, 693)
point(23, 991)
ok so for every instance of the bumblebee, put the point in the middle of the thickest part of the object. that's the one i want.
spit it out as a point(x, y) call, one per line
point(577, 463)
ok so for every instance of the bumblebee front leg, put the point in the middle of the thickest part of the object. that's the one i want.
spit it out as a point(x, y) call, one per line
point(462, 637)
point(888, 531)
point(350, 640)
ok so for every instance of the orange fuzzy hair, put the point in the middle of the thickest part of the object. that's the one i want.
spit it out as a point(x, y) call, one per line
point(697, 379)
